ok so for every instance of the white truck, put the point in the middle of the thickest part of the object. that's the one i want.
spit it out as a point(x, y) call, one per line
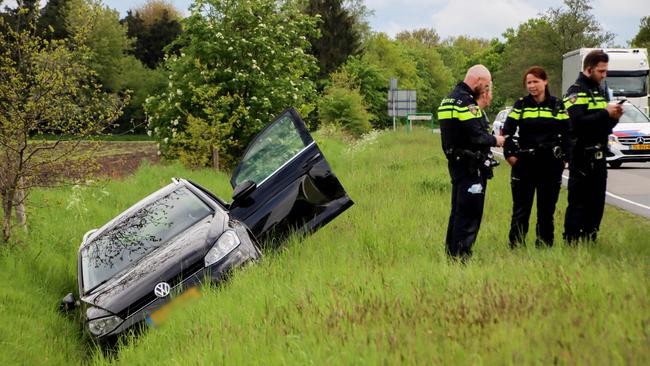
point(627, 75)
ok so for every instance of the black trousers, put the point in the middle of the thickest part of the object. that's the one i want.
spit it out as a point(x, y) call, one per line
point(587, 186)
point(467, 199)
point(541, 174)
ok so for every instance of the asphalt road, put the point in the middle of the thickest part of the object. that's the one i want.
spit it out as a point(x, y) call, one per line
point(628, 187)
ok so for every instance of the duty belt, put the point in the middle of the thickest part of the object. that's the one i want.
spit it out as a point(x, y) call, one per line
point(595, 152)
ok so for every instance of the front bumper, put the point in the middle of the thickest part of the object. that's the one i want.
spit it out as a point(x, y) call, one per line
point(620, 152)
point(246, 251)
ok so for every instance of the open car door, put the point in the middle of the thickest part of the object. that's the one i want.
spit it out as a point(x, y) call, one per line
point(283, 182)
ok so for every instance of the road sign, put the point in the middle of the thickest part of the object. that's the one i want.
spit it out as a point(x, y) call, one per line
point(401, 102)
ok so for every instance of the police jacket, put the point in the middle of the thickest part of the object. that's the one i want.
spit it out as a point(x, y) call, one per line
point(542, 127)
point(586, 104)
point(462, 123)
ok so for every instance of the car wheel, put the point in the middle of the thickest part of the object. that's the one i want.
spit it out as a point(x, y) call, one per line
point(615, 164)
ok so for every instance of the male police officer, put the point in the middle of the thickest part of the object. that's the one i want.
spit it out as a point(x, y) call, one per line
point(466, 143)
point(591, 122)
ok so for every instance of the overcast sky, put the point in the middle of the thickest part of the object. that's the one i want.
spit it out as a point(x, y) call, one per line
point(476, 18)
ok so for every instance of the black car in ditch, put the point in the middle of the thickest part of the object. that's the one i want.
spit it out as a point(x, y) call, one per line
point(161, 249)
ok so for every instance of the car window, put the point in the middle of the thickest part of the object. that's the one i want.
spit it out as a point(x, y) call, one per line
point(138, 234)
point(271, 150)
point(633, 115)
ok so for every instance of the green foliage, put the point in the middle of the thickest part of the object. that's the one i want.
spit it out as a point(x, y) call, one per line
point(44, 88)
point(151, 38)
point(543, 41)
point(338, 37)
point(392, 60)
point(104, 36)
point(240, 64)
point(51, 22)
point(434, 78)
point(642, 38)
point(345, 108)
point(141, 82)
point(367, 79)
point(459, 53)
point(426, 36)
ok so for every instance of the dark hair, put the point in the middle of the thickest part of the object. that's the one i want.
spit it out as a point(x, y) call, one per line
point(593, 58)
point(538, 72)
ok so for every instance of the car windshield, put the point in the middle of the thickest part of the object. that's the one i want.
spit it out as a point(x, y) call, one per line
point(633, 115)
point(138, 234)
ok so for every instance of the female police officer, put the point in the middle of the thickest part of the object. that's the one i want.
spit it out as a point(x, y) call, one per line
point(536, 133)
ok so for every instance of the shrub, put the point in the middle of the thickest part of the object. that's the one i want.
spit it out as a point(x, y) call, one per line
point(345, 108)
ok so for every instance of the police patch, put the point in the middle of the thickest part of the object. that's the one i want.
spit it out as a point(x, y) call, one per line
point(572, 98)
point(473, 108)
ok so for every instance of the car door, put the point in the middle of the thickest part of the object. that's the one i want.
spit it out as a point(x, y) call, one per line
point(283, 182)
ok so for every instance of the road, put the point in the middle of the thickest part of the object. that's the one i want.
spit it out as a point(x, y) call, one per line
point(628, 187)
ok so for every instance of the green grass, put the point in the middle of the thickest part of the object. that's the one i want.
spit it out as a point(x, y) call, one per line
point(372, 287)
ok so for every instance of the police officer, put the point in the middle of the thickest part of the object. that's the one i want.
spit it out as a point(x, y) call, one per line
point(466, 144)
point(591, 122)
point(536, 155)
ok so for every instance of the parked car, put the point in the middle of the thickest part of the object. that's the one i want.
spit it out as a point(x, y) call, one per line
point(630, 140)
point(499, 121)
point(166, 245)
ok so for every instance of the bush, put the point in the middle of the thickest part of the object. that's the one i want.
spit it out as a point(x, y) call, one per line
point(344, 107)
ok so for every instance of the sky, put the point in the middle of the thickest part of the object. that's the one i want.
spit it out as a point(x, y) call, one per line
point(476, 18)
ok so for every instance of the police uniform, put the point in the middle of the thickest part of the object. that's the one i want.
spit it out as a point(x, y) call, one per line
point(539, 147)
point(466, 144)
point(590, 126)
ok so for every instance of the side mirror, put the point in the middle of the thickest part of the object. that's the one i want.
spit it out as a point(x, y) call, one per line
point(243, 189)
point(68, 303)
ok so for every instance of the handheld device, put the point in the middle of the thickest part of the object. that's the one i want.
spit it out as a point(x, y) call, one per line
point(621, 101)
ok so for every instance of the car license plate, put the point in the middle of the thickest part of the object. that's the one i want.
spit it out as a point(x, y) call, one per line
point(159, 316)
point(641, 147)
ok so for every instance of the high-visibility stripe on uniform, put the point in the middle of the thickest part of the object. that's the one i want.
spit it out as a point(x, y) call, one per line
point(454, 111)
point(597, 102)
point(535, 112)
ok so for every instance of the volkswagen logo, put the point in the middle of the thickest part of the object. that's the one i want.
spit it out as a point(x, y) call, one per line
point(640, 140)
point(162, 289)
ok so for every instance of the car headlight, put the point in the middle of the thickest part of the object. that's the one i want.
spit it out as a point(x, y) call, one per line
point(226, 244)
point(612, 139)
point(102, 326)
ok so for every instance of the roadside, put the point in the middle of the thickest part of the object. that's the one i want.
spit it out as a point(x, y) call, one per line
point(627, 188)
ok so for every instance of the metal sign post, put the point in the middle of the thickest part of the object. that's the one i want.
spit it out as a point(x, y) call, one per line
point(419, 117)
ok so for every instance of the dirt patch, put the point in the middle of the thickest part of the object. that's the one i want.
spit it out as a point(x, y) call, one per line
point(112, 160)
point(119, 166)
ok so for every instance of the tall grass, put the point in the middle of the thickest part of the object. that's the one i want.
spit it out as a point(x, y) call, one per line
point(372, 287)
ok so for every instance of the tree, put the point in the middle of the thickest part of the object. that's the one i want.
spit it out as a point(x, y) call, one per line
point(51, 23)
point(104, 36)
point(154, 10)
point(338, 38)
point(44, 88)
point(426, 36)
point(543, 41)
point(239, 65)
point(642, 39)
point(153, 26)
point(458, 53)
point(434, 78)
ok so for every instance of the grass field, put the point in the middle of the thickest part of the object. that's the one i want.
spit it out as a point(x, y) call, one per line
point(372, 287)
